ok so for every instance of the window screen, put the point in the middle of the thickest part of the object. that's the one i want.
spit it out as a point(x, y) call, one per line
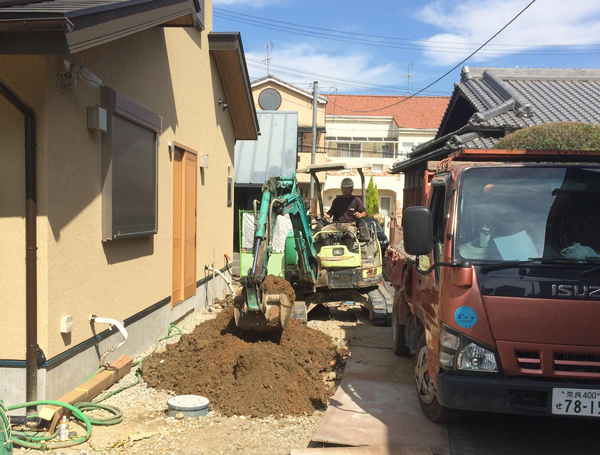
point(129, 168)
point(134, 178)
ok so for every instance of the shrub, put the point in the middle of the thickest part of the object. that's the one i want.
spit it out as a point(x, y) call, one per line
point(553, 136)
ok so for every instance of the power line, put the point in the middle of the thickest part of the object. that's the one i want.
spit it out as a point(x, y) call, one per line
point(411, 47)
point(336, 79)
point(395, 38)
point(449, 71)
point(362, 87)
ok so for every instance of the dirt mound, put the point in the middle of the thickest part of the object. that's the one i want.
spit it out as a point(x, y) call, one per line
point(253, 375)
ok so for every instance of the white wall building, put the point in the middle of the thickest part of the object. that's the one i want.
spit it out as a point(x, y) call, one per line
point(382, 135)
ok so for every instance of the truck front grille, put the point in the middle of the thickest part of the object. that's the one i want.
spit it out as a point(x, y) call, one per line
point(529, 360)
point(577, 363)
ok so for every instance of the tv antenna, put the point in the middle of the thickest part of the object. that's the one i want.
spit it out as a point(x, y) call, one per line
point(268, 59)
point(408, 76)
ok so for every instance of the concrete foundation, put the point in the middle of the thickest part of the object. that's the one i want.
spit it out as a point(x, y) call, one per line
point(61, 377)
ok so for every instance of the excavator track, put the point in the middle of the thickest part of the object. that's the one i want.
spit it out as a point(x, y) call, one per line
point(380, 306)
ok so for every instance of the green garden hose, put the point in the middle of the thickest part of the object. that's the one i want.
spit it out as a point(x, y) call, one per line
point(6, 446)
point(117, 414)
point(33, 440)
point(169, 335)
point(37, 440)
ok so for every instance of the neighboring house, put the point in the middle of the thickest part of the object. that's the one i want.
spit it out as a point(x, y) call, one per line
point(272, 155)
point(380, 130)
point(272, 93)
point(489, 103)
point(126, 161)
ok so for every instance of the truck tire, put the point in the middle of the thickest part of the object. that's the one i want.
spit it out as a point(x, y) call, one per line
point(398, 334)
point(430, 406)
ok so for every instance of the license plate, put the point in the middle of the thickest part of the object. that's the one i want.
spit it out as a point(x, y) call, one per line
point(576, 402)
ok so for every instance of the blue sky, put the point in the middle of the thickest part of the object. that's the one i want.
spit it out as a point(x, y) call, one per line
point(370, 43)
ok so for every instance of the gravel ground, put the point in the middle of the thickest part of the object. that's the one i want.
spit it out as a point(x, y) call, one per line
point(146, 429)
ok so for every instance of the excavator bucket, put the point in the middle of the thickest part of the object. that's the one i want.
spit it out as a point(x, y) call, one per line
point(274, 315)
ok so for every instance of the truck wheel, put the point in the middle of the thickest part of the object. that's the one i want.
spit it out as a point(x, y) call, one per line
point(398, 334)
point(430, 406)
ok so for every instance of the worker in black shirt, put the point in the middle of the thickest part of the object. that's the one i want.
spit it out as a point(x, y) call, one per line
point(345, 210)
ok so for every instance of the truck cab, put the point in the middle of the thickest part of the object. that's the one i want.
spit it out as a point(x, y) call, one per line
point(498, 286)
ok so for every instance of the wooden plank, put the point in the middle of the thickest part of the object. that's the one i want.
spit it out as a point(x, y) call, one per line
point(371, 450)
point(88, 390)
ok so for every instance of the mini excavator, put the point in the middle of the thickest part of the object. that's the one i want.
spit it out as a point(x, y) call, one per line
point(325, 266)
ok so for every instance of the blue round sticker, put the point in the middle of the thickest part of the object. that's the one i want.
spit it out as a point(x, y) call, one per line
point(465, 317)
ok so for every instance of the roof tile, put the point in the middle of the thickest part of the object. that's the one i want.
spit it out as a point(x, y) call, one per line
point(420, 112)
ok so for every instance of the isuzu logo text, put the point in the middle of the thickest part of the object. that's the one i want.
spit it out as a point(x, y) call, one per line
point(569, 290)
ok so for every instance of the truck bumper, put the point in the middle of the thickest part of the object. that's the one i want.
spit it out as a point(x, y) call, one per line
point(504, 395)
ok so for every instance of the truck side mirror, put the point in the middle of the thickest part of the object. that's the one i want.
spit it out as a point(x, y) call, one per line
point(418, 231)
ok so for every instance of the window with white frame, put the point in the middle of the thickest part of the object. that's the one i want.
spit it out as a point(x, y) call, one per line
point(348, 149)
point(407, 148)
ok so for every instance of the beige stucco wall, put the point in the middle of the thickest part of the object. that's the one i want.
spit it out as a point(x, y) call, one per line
point(29, 83)
point(166, 70)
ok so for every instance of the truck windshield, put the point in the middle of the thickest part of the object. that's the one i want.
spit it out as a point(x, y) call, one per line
point(519, 213)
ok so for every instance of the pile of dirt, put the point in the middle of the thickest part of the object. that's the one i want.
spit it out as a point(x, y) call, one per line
point(248, 374)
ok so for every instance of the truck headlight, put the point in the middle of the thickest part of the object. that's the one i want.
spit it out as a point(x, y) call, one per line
point(476, 358)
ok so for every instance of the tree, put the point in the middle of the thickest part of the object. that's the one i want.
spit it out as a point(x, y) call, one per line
point(372, 203)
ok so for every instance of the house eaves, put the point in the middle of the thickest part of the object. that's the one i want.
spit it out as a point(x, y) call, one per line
point(264, 80)
point(436, 150)
point(228, 52)
point(68, 26)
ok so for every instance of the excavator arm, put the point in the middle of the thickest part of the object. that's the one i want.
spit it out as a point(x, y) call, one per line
point(258, 310)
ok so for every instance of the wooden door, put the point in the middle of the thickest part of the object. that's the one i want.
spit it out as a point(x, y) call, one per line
point(184, 225)
point(189, 225)
point(176, 294)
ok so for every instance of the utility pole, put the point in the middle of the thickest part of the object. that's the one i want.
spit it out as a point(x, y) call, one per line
point(314, 138)
point(408, 76)
point(268, 59)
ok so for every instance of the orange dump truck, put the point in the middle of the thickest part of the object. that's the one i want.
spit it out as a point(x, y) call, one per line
point(497, 281)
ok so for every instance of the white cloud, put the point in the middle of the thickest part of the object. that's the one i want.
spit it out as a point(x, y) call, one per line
point(547, 22)
point(287, 60)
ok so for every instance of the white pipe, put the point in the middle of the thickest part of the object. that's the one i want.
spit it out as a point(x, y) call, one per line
point(118, 325)
point(218, 272)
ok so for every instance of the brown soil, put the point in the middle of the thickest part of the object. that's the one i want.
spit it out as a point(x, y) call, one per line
point(248, 374)
point(276, 285)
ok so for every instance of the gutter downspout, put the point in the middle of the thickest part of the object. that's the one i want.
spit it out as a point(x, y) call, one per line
point(30, 237)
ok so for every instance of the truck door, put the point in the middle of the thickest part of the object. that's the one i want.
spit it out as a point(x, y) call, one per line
point(429, 284)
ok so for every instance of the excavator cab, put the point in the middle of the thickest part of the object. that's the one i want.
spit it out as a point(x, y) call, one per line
point(349, 270)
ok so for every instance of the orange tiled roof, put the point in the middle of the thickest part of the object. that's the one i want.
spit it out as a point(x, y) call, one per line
point(424, 112)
